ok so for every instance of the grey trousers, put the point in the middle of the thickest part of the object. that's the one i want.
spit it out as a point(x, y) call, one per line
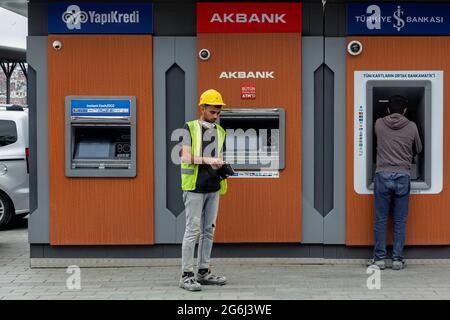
point(201, 214)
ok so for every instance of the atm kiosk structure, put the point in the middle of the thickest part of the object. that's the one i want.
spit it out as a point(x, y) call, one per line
point(424, 93)
point(262, 116)
point(100, 135)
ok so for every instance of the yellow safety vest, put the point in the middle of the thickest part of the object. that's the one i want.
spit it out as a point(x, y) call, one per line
point(189, 172)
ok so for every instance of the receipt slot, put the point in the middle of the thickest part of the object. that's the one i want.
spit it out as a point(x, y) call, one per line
point(100, 136)
point(255, 138)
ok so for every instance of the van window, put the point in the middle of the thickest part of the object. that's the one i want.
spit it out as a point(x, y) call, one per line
point(8, 132)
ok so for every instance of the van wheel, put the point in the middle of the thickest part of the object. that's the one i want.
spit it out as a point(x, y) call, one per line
point(6, 212)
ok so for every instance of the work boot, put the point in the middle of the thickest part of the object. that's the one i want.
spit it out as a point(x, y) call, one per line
point(188, 282)
point(208, 278)
point(398, 265)
point(379, 263)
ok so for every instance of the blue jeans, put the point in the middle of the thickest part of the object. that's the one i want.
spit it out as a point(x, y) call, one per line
point(391, 192)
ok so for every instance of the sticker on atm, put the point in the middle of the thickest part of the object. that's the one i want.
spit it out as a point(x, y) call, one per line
point(248, 91)
point(101, 107)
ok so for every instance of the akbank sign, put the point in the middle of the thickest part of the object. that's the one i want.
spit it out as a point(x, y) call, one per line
point(398, 18)
point(100, 18)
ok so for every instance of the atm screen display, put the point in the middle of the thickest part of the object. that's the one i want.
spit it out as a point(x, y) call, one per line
point(102, 142)
point(94, 149)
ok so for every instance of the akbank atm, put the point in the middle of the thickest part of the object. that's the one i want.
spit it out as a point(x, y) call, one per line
point(100, 136)
point(255, 141)
point(423, 90)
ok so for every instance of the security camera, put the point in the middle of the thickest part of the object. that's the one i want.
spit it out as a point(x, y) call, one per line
point(204, 54)
point(354, 47)
point(57, 45)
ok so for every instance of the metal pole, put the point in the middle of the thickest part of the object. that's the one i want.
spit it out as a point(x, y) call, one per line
point(8, 69)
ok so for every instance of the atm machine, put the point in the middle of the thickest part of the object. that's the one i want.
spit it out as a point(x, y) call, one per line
point(255, 140)
point(100, 136)
point(423, 90)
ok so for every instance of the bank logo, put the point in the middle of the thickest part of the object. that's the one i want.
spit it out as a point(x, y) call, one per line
point(375, 19)
point(400, 23)
point(73, 17)
point(247, 75)
point(248, 18)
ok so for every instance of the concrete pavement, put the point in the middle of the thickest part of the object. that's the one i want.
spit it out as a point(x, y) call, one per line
point(246, 280)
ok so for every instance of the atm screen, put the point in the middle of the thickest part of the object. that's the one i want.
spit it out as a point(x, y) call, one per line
point(254, 141)
point(92, 149)
point(255, 138)
point(102, 142)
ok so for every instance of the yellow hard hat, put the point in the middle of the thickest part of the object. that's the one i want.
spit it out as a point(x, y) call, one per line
point(211, 97)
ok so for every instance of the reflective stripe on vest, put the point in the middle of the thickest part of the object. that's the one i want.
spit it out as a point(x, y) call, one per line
point(189, 172)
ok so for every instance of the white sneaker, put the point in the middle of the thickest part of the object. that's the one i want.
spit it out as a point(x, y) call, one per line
point(190, 283)
point(211, 279)
point(379, 263)
point(398, 265)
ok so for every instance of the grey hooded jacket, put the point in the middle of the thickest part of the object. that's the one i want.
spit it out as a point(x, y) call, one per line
point(398, 141)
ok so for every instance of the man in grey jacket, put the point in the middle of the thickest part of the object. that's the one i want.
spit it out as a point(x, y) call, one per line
point(398, 142)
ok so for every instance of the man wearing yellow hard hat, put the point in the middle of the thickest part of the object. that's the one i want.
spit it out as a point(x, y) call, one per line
point(202, 182)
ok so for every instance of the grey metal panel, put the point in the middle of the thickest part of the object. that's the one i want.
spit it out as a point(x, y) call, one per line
point(169, 228)
point(266, 250)
point(312, 220)
point(175, 98)
point(32, 137)
point(174, 19)
point(37, 18)
point(186, 57)
point(335, 19)
point(39, 220)
point(334, 222)
point(318, 138)
point(163, 58)
point(328, 140)
point(312, 18)
point(323, 139)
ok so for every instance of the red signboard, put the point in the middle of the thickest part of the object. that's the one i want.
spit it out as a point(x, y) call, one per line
point(248, 91)
point(249, 17)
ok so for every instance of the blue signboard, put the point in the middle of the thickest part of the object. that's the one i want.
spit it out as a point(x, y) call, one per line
point(100, 18)
point(398, 18)
point(103, 108)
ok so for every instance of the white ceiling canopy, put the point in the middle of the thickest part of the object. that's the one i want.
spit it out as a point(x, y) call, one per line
point(13, 29)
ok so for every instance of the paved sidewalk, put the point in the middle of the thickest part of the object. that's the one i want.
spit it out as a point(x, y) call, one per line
point(246, 280)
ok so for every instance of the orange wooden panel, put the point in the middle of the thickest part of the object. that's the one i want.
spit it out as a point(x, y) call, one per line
point(260, 210)
point(92, 211)
point(429, 215)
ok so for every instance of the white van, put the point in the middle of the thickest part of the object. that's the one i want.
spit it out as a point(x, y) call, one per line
point(14, 166)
